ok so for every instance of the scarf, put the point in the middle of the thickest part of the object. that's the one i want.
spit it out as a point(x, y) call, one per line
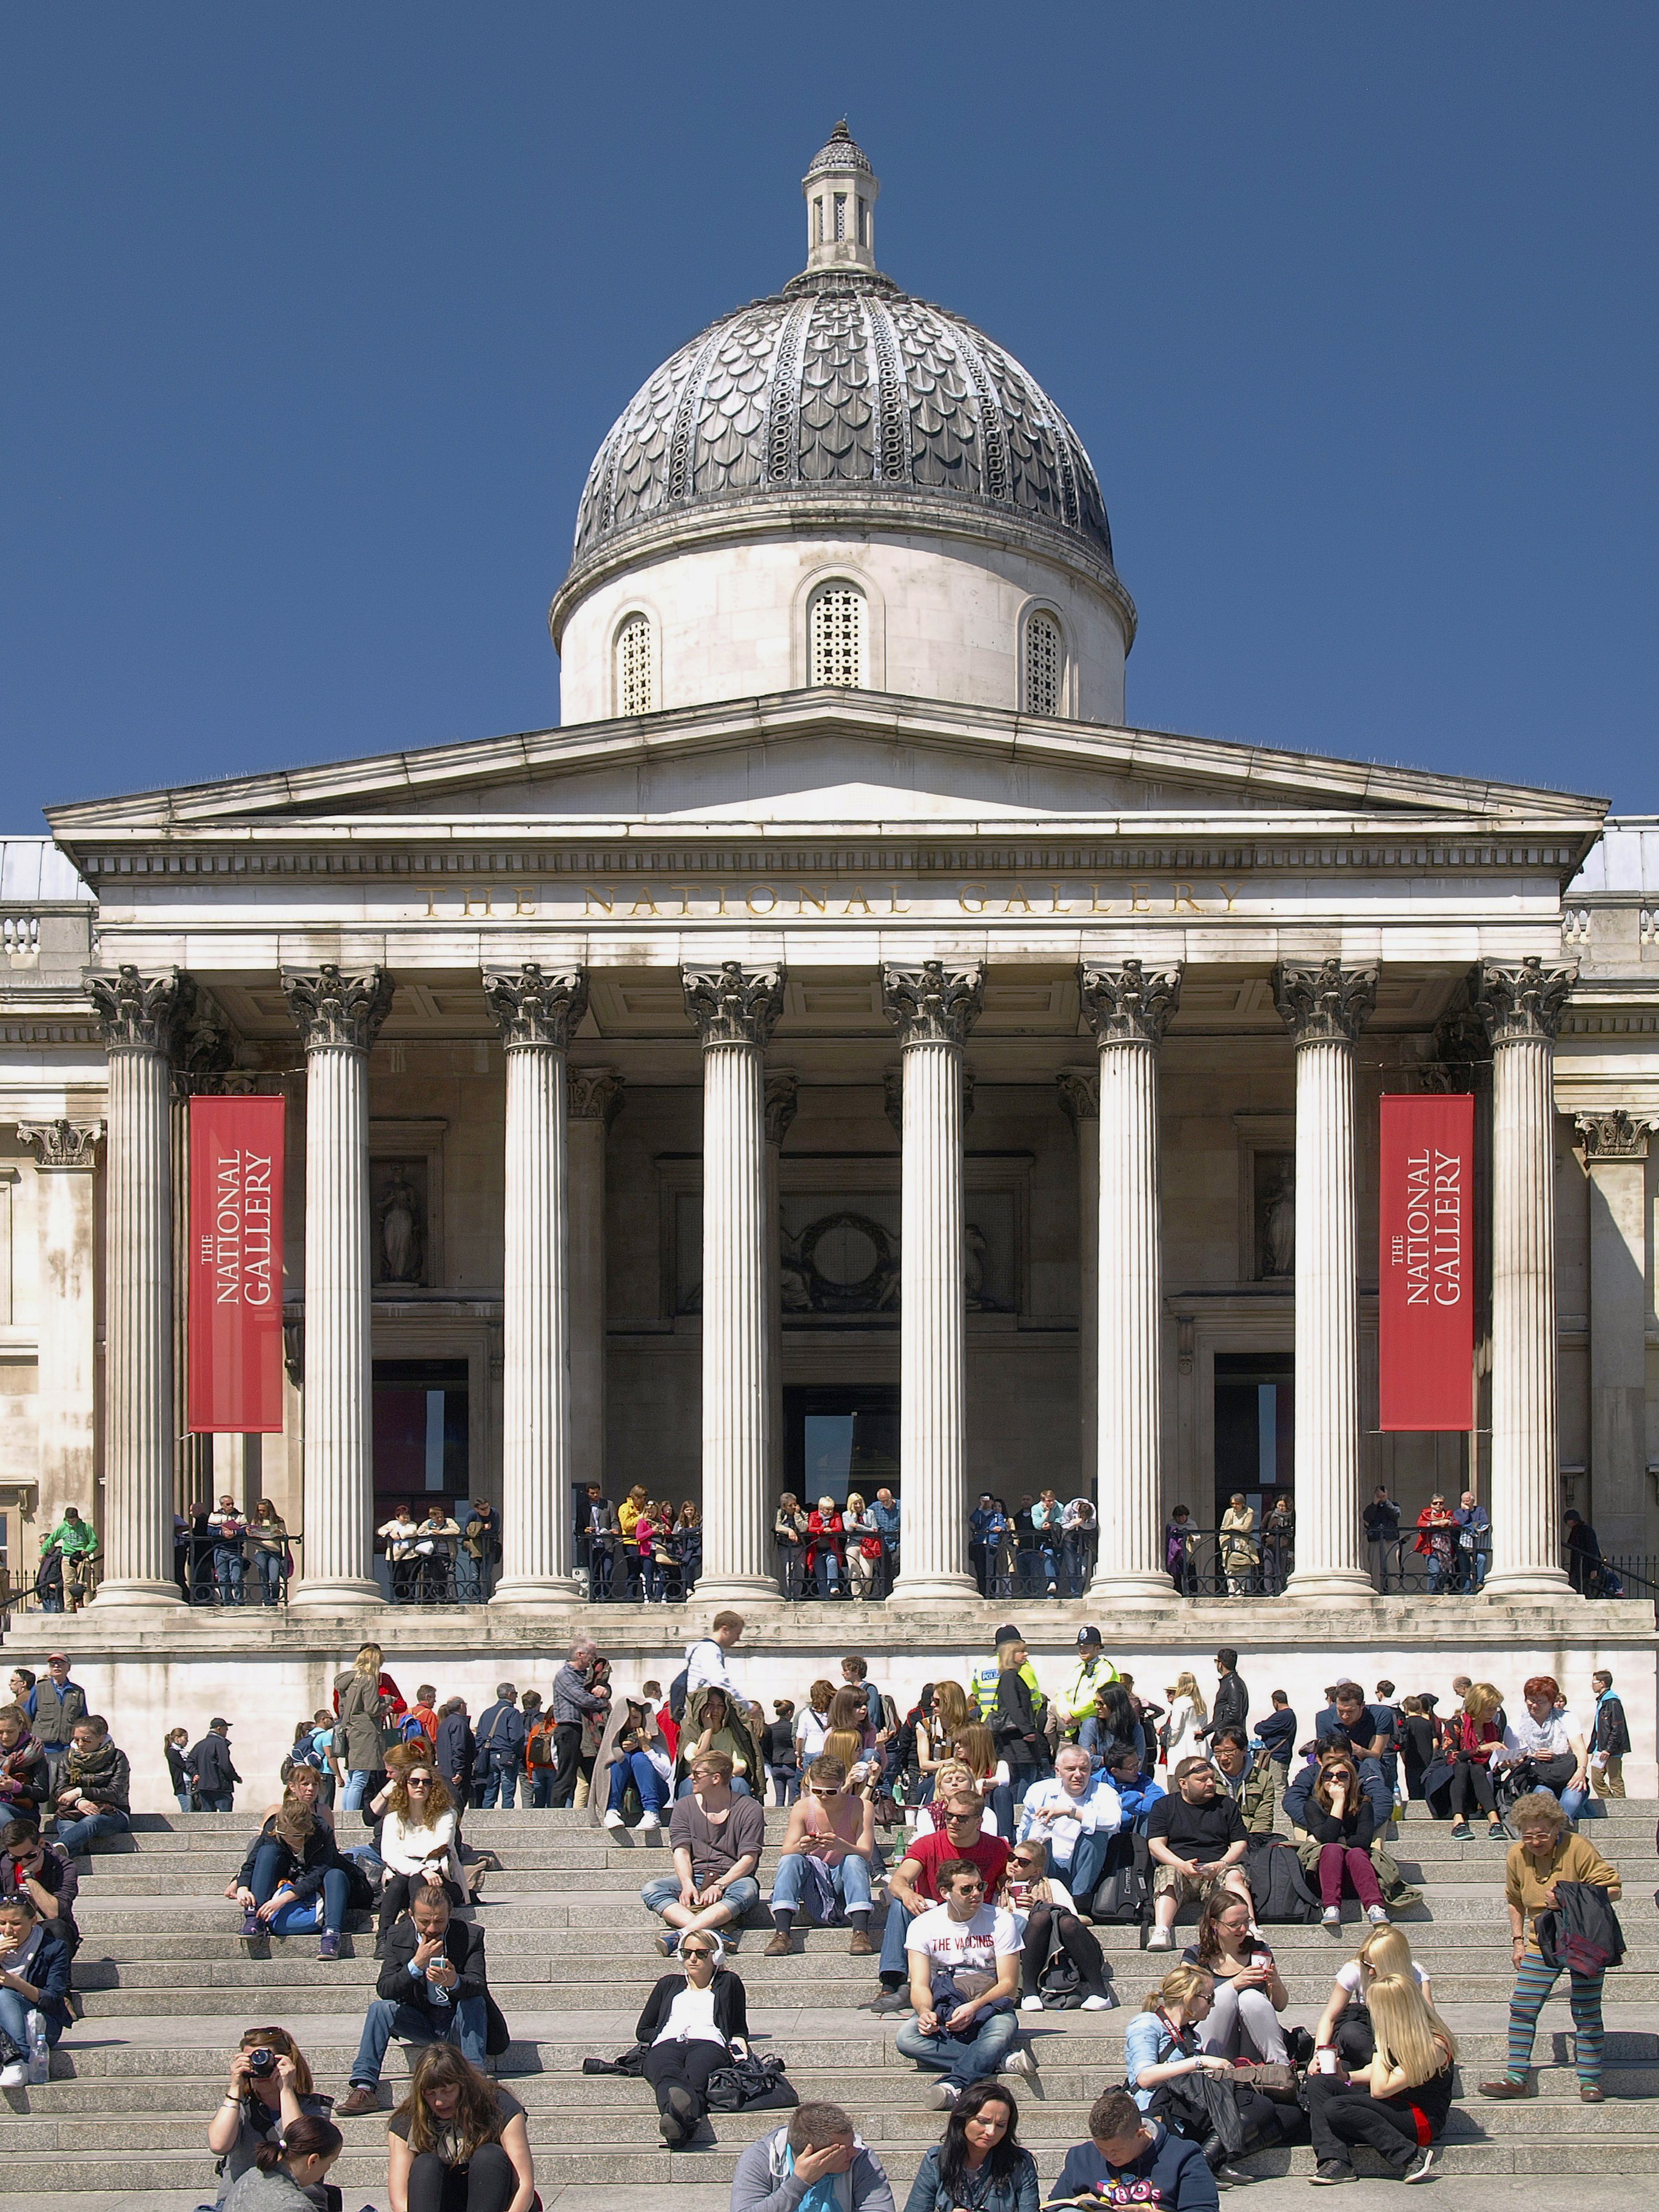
point(15, 1763)
point(94, 1766)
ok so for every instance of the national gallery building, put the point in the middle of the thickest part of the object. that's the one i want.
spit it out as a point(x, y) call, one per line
point(847, 1054)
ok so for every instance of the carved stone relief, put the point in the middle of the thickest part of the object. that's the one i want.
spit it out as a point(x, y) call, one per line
point(399, 1199)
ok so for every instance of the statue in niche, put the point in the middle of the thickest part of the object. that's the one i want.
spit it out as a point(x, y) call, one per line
point(402, 1243)
point(972, 1266)
point(1278, 1226)
point(794, 1279)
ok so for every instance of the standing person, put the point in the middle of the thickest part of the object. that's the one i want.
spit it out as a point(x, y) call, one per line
point(209, 1765)
point(1179, 1539)
point(1131, 2159)
point(432, 1988)
point(914, 1885)
point(290, 2174)
point(1277, 1736)
point(416, 1843)
point(863, 1548)
point(707, 1660)
point(825, 1859)
point(538, 1752)
point(1241, 1555)
point(826, 1548)
point(1048, 1526)
point(782, 1768)
point(457, 2143)
point(1583, 1557)
point(1014, 1726)
point(53, 1707)
point(93, 1781)
point(717, 1839)
point(1188, 1714)
point(1420, 1742)
point(1231, 1707)
point(455, 1750)
point(687, 1543)
point(1279, 1545)
point(1474, 1541)
point(173, 1746)
point(601, 1536)
point(1437, 1542)
point(576, 1696)
point(1398, 2104)
point(789, 1536)
point(964, 1958)
point(366, 1699)
point(1546, 1854)
point(435, 1541)
point(270, 2091)
point(819, 2146)
point(593, 1728)
point(425, 1710)
point(980, 2161)
point(398, 1535)
point(693, 2023)
point(1196, 1840)
point(1079, 1540)
point(885, 1514)
point(483, 1524)
point(1382, 1524)
point(979, 1556)
point(500, 1756)
point(268, 1533)
point(627, 1516)
point(1609, 1738)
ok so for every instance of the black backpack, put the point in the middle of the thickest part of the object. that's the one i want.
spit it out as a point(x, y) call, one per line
point(1278, 1883)
point(1123, 1896)
point(1059, 1986)
point(677, 1694)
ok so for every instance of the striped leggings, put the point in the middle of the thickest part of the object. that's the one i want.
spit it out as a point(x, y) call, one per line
point(1533, 1984)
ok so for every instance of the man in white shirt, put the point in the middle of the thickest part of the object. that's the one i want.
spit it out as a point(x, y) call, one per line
point(398, 1537)
point(965, 1962)
point(705, 1664)
point(1076, 1814)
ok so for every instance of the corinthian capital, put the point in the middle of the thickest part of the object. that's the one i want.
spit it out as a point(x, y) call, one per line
point(532, 1008)
point(1128, 1003)
point(1518, 1003)
point(1079, 1094)
point(1615, 1136)
point(332, 1008)
point(61, 1144)
point(141, 1013)
point(782, 1101)
point(732, 1004)
point(933, 1004)
point(594, 1094)
point(1326, 1004)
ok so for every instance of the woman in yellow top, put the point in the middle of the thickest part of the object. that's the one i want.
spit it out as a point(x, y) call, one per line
point(1548, 1852)
point(628, 1517)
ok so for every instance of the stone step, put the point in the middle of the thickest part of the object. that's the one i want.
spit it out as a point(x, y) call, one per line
point(1631, 1814)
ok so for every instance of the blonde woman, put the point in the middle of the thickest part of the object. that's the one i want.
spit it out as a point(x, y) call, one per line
point(1240, 1553)
point(1162, 2046)
point(1344, 2025)
point(270, 1533)
point(1187, 1714)
point(1398, 2103)
point(365, 1700)
point(1475, 1736)
point(417, 1839)
point(953, 1711)
point(951, 1776)
point(859, 1523)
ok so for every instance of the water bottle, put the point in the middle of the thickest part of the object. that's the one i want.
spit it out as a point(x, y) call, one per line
point(40, 2060)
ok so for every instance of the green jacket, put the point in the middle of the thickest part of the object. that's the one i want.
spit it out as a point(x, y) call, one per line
point(72, 1538)
point(1077, 1701)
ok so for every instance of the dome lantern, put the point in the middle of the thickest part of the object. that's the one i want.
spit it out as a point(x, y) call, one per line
point(840, 190)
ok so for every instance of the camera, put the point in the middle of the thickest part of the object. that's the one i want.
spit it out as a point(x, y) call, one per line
point(261, 2063)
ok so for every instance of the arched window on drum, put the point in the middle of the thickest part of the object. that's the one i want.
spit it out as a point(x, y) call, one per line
point(1045, 666)
point(633, 666)
point(836, 629)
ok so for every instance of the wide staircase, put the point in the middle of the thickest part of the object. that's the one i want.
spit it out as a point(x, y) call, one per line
point(167, 1990)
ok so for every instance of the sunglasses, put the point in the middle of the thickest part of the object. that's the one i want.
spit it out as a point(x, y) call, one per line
point(699, 1952)
point(420, 1781)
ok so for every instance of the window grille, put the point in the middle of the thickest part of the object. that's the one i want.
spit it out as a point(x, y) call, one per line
point(633, 666)
point(841, 215)
point(1042, 666)
point(836, 636)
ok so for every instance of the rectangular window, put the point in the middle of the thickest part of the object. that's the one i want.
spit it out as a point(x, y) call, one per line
point(818, 221)
point(841, 215)
point(864, 223)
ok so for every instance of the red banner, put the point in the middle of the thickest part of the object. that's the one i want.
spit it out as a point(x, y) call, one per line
point(235, 1265)
point(1427, 1319)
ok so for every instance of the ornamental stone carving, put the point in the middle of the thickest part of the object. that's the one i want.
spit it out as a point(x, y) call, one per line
point(141, 1013)
point(534, 1008)
point(1079, 1094)
point(732, 1004)
point(594, 1094)
point(892, 1085)
point(1460, 1053)
point(61, 1144)
point(1128, 1003)
point(1326, 1004)
point(1615, 1136)
point(332, 1008)
point(1517, 1004)
point(782, 1101)
point(205, 1053)
point(933, 1004)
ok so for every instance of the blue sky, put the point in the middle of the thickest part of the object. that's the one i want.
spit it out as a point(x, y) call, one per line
point(317, 314)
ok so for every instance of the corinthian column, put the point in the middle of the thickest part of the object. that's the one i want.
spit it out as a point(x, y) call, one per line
point(782, 1102)
point(65, 1155)
point(1079, 1101)
point(1128, 1010)
point(1324, 1009)
point(593, 1098)
point(338, 1018)
point(139, 1016)
point(933, 1007)
point(736, 1010)
point(535, 1014)
point(1522, 1008)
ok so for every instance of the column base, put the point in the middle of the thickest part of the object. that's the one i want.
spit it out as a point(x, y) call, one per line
point(1550, 1584)
point(335, 1596)
point(1138, 1592)
point(135, 1590)
point(735, 1590)
point(937, 1590)
point(539, 1590)
point(1340, 1585)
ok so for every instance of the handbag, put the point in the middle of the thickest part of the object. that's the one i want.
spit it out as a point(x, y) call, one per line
point(745, 2083)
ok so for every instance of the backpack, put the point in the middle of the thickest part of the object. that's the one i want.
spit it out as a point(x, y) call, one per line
point(1123, 1896)
point(538, 1746)
point(677, 1694)
point(410, 1730)
point(1278, 1883)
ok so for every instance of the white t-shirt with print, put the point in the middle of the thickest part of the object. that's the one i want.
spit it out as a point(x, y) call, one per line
point(953, 1944)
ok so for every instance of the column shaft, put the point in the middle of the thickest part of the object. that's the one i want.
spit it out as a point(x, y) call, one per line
point(536, 1503)
point(1615, 1161)
point(1080, 1098)
point(68, 1365)
point(593, 1095)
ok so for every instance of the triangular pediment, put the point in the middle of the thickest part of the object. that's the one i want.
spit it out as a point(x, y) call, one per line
point(820, 757)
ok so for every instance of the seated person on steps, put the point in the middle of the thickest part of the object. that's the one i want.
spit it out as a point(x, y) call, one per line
point(913, 1887)
point(825, 1859)
point(717, 1840)
point(964, 1958)
point(819, 2144)
point(1197, 1839)
point(432, 1989)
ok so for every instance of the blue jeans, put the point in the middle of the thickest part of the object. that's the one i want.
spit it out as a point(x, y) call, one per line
point(653, 1790)
point(269, 1564)
point(227, 1567)
point(14, 2020)
point(217, 1801)
point(1479, 1563)
point(297, 1919)
point(1050, 1555)
point(894, 1967)
point(1087, 1863)
point(742, 1895)
point(468, 1578)
point(975, 2057)
point(466, 2025)
point(502, 1772)
point(786, 1780)
point(185, 1805)
point(80, 1835)
point(849, 1878)
point(357, 1781)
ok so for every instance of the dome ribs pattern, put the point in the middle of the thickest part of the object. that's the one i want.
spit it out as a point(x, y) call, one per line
point(841, 379)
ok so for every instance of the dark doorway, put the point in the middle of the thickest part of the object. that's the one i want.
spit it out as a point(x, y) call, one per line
point(419, 1435)
point(1255, 1429)
point(841, 1438)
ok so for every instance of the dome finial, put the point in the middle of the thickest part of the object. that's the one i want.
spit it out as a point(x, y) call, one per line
point(840, 189)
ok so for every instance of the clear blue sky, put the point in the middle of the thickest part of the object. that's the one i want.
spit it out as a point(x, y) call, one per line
point(316, 314)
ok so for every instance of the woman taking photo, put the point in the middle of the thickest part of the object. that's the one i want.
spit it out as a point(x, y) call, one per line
point(1247, 1993)
point(457, 2142)
point(269, 1533)
point(1546, 1853)
point(289, 2176)
point(1342, 1819)
point(1398, 2103)
point(1344, 2025)
point(418, 1840)
point(1162, 2050)
point(979, 2166)
point(269, 2090)
point(693, 2023)
point(294, 1879)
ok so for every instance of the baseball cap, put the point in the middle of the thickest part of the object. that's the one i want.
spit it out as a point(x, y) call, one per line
point(219, 1721)
point(1089, 1635)
point(52, 1658)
